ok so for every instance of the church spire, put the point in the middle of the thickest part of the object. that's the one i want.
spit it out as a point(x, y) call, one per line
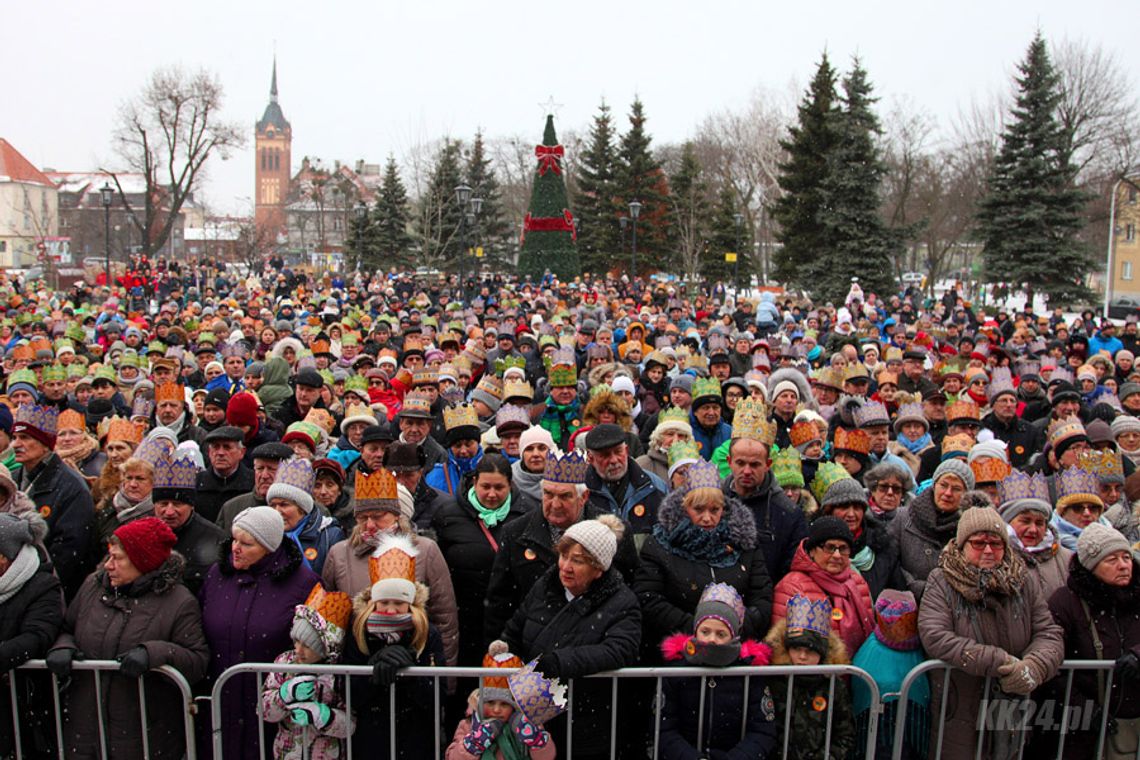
point(273, 86)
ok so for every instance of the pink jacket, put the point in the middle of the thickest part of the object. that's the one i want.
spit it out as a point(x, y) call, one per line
point(323, 744)
point(456, 750)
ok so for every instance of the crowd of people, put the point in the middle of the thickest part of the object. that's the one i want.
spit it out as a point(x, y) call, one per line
point(562, 478)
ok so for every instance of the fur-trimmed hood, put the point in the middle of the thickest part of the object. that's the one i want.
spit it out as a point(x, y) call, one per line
point(796, 377)
point(287, 342)
point(752, 652)
point(596, 375)
point(741, 523)
point(608, 400)
point(836, 649)
point(1098, 594)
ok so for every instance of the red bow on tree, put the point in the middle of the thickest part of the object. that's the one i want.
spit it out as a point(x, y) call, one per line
point(549, 157)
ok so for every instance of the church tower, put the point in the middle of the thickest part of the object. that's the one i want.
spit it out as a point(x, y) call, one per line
point(273, 141)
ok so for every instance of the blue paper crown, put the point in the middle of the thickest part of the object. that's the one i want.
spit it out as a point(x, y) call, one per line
point(42, 418)
point(296, 472)
point(569, 468)
point(1019, 485)
point(176, 474)
point(701, 474)
point(806, 614)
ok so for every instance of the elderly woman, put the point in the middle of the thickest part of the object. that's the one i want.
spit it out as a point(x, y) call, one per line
point(1078, 505)
point(887, 487)
point(378, 515)
point(702, 536)
point(291, 495)
point(923, 528)
point(78, 448)
point(672, 426)
point(874, 555)
point(1024, 505)
point(119, 439)
point(983, 614)
point(133, 609)
point(247, 611)
point(821, 569)
point(579, 619)
point(1098, 610)
point(130, 502)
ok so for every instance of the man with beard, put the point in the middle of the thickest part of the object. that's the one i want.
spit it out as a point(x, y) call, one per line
point(617, 484)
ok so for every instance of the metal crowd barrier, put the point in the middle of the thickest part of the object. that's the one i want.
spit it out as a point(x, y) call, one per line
point(98, 669)
point(832, 672)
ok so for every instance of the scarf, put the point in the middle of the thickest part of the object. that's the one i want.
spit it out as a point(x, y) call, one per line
point(388, 628)
point(973, 583)
point(917, 445)
point(942, 526)
point(1067, 533)
point(560, 420)
point(126, 510)
point(711, 655)
point(369, 541)
point(490, 517)
point(177, 425)
point(506, 745)
point(75, 455)
point(21, 570)
point(1133, 456)
point(295, 536)
point(863, 559)
point(696, 544)
point(527, 482)
point(1046, 545)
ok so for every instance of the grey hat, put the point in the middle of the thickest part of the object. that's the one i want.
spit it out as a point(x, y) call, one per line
point(1097, 542)
point(264, 524)
point(605, 436)
point(955, 467)
point(1015, 507)
point(225, 433)
point(255, 369)
point(1125, 423)
point(304, 632)
point(283, 325)
point(684, 382)
point(481, 395)
point(15, 534)
point(844, 491)
point(1128, 389)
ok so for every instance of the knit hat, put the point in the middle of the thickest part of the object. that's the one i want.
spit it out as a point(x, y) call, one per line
point(598, 537)
point(844, 491)
point(147, 542)
point(955, 467)
point(1125, 423)
point(995, 449)
point(896, 620)
point(218, 397)
point(1128, 389)
point(264, 524)
point(684, 382)
point(722, 602)
point(15, 533)
point(980, 520)
point(294, 482)
point(827, 528)
point(535, 435)
point(1097, 542)
point(242, 410)
point(785, 385)
point(496, 687)
point(320, 622)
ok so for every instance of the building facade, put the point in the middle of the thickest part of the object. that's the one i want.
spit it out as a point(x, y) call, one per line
point(29, 211)
point(273, 143)
point(1125, 245)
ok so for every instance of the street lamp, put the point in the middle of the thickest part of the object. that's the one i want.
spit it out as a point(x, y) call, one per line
point(361, 213)
point(634, 212)
point(739, 219)
point(107, 194)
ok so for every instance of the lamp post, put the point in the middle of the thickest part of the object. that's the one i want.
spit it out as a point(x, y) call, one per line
point(1108, 273)
point(473, 222)
point(634, 212)
point(462, 197)
point(361, 214)
point(739, 219)
point(107, 194)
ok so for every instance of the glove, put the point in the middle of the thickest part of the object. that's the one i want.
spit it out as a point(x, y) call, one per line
point(479, 739)
point(59, 661)
point(1128, 666)
point(548, 665)
point(528, 733)
point(388, 661)
point(298, 689)
point(312, 714)
point(134, 662)
point(1016, 677)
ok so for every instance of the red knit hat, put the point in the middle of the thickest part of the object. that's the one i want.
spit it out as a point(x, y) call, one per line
point(147, 542)
point(242, 411)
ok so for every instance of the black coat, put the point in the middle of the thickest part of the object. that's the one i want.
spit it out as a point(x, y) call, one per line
point(1021, 437)
point(886, 571)
point(597, 631)
point(470, 556)
point(214, 490)
point(642, 497)
point(199, 543)
point(780, 525)
point(526, 551)
point(429, 501)
point(669, 584)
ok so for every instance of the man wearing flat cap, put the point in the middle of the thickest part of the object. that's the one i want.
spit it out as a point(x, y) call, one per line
point(225, 476)
point(617, 484)
point(307, 386)
point(267, 457)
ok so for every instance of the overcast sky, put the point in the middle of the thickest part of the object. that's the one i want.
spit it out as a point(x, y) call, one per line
point(364, 79)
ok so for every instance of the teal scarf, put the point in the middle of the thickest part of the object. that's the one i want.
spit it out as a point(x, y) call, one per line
point(490, 517)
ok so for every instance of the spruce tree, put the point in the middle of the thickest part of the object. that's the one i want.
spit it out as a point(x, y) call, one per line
point(492, 231)
point(1031, 214)
point(801, 179)
point(858, 243)
point(689, 212)
point(599, 236)
point(548, 230)
point(390, 218)
point(439, 215)
point(725, 237)
point(640, 177)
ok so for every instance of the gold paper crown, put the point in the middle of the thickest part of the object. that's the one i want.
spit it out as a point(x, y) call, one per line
point(376, 489)
point(517, 389)
point(802, 432)
point(169, 392)
point(958, 445)
point(321, 418)
point(1106, 465)
point(119, 429)
point(69, 419)
point(989, 470)
point(829, 377)
point(1061, 429)
point(491, 384)
point(852, 440)
point(856, 371)
point(395, 557)
point(460, 415)
point(750, 421)
point(963, 409)
point(334, 606)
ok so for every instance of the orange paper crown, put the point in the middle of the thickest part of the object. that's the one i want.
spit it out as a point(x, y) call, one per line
point(989, 470)
point(119, 429)
point(802, 432)
point(853, 440)
point(169, 392)
point(333, 606)
point(377, 488)
point(69, 419)
point(395, 557)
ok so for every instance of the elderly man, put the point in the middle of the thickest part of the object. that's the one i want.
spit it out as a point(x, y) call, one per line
point(266, 459)
point(307, 386)
point(526, 545)
point(225, 475)
point(415, 420)
point(1021, 438)
point(914, 379)
point(617, 484)
point(172, 411)
point(174, 496)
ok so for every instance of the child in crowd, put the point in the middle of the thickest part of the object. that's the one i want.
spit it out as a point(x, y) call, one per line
point(805, 637)
point(495, 726)
point(725, 729)
point(310, 709)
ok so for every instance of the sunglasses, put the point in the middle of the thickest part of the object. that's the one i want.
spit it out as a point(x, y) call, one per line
point(981, 544)
point(888, 488)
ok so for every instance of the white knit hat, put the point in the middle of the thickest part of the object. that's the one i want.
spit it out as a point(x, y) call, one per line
point(536, 434)
point(995, 449)
point(598, 537)
point(785, 385)
point(264, 524)
point(623, 383)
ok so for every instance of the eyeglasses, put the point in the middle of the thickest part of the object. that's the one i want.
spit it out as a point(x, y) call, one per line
point(843, 550)
point(981, 544)
point(1092, 509)
point(887, 488)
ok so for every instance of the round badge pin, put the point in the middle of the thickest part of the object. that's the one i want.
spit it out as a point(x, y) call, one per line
point(310, 554)
point(819, 704)
point(639, 510)
point(837, 614)
point(529, 554)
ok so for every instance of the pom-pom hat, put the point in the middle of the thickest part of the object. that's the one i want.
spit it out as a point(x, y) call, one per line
point(147, 542)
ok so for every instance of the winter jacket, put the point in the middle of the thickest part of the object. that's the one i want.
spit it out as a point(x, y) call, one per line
point(810, 705)
point(346, 569)
point(200, 544)
point(215, 490)
point(853, 618)
point(344, 453)
point(247, 615)
point(1099, 342)
point(780, 525)
point(157, 612)
point(446, 476)
point(669, 583)
point(275, 389)
point(642, 498)
point(317, 534)
point(708, 440)
point(295, 742)
point(64, 501)
point(429, 501)
point(977, 638)
point(655, 462)
point(1051, 566)
point(597, 631)
point(919, 540)
point(1020, 437)
point(884, 571)
point(526, 551)
point(233, 507)
point(456, 750)
point(470, 548)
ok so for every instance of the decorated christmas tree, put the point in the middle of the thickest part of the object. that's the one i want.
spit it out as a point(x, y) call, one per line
point(548, 239)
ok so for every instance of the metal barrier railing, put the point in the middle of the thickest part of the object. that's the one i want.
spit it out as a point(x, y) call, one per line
point(831, 672)
point(99, 668)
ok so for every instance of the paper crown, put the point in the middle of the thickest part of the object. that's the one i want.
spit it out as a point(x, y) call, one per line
point(1076, 486)
point(296, 473)
point(1000, 382)
point(387, 356)
point(962, 410)
point(22, 376)
point(425, 377)
point(562, 373)
point(856, 371)
point(569, 468)
point(989, 470)
point(803, 432)
point(492, 385)
point(701, 474)
point(674, 415)
point(829, 377)
point(887, 378)
point(871, 413)
point(1060, 373)
point(142, 407)
point(1019, 485)
point(896, 620)
point(498, 656)
point(808, 616)
point(152, 451)
point(1062, 429)
point(55, 373)
point(460, 415)
point(539, 698)
point(169, 392)
point(42, 418)
point(706, 388)
point(510, 415)
point(395, 557)
point(377, 489)
point(176, 474)
point(508, 362)
point(683, 451)
point(118, 429)
point(751, 421)
point(911, 411)
point(826, 475)
point(69, 419)
point(1106, 464)
point(722, 593)
point(787, 468)
point(956, 445)
point(356, 384)
point(517, 389)
point(417, 403)
point(717, 344)
point(852, 440)
point(334, 606)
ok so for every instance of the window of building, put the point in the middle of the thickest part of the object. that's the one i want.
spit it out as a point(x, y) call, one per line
point(1126, 270)
point(1132, 193)
point(1130, 233)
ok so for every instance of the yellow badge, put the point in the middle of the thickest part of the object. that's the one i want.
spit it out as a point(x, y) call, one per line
point(1019, 449)
point(639, 510)
point(576, 423)
point(690, 647)
point(529, 554)
point(310, 554)
point(837, 614)
point(819, 704)
point(699, 445)
point(45, 511)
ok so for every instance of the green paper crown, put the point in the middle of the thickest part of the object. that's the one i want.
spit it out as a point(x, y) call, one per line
point(683, 450)
point(356, 384)
point(704, 387)
point(76, 333)
point(786, 468)
point(23, 376)
point(827, 475)
point(54, 373)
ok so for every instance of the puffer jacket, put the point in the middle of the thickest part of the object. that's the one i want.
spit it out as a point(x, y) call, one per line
point(157, 612)
point(853, 618)
point(297, 742)
point(670, 581)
